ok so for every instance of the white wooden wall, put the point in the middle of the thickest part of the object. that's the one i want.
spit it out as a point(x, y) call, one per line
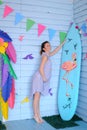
point(80, 17)
point(54, 14)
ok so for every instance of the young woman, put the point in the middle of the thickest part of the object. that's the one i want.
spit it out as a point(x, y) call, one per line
point(40, 84)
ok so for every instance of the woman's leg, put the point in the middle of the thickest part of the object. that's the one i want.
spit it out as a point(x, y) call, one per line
point(36, 110)
point(40, 118)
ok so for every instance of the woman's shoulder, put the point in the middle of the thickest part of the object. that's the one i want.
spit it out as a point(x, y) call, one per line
point(45, 54)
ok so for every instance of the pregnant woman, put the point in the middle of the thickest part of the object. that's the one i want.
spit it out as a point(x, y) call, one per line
point(41, 78)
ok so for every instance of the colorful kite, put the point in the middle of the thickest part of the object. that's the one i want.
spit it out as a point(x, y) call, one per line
point(7, 74)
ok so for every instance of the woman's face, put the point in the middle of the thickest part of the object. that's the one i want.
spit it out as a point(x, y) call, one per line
point(47, 47)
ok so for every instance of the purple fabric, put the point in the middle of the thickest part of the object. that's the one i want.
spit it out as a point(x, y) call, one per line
point(5, 70)
point(37, 84)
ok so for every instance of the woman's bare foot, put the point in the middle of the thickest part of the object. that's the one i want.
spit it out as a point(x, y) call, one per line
point(37, 119)
point(67, 94)
point(41, 119)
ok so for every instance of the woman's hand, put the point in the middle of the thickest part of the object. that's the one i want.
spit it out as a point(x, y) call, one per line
point(44, 79)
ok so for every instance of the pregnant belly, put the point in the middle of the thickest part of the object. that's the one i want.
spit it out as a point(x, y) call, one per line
point(48, 74)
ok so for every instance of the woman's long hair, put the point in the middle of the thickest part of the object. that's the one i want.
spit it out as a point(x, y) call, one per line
point(42, 46)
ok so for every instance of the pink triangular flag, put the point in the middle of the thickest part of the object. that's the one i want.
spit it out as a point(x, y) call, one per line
point(7, 11)
point(41, 28)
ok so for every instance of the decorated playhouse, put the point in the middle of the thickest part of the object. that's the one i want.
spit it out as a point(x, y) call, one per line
point(24, 25)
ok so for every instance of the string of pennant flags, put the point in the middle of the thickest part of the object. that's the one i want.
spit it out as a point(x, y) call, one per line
point(41, 28)
point(29, 22)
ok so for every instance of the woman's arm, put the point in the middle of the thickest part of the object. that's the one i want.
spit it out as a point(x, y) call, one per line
point(57, 49)
point(44, 60)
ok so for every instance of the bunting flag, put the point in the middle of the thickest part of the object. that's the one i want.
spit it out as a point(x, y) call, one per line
point(18, 18)
point(51, 33)
point(1, 2)
point(83, 27)
point(41, 28)
point(7, 11)
point(62, 36)
point(29, 24)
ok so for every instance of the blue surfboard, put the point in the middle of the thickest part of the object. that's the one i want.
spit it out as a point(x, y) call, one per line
point(69, 74)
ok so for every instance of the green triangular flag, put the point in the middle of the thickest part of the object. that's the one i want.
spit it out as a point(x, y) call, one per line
point(62, 36)
point(1, 2)
point(29, 24)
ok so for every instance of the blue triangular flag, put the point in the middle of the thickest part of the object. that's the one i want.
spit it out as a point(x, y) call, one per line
point(83, 27)
point(18, 18)
point(51, 33)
